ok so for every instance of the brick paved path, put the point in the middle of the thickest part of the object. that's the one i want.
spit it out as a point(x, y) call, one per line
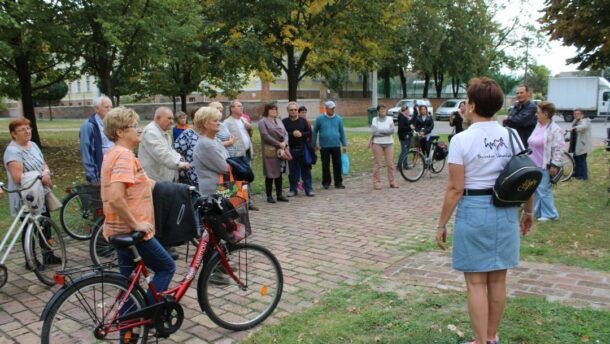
point(320, 242)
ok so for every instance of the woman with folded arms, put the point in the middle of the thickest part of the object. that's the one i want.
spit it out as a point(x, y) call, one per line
point(486, 238)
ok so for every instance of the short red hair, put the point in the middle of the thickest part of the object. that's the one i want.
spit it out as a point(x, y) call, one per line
point(17, 122)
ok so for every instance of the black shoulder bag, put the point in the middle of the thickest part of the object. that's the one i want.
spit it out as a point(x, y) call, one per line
point(519, 178)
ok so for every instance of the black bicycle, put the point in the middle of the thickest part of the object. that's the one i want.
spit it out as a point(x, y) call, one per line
point(415, 163)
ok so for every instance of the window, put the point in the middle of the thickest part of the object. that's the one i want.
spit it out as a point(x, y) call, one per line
point(87, 84)
point(192, 99)
point(78, 89)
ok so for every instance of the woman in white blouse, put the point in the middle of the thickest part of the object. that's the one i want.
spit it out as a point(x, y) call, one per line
point(382, 141)
point(486, 238)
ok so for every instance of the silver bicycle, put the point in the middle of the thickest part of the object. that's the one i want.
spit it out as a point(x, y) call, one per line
point(44, 248)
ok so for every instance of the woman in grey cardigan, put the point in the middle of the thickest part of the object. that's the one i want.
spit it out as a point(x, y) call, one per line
point(273, 137)
point(210, 156)
point(580, 144)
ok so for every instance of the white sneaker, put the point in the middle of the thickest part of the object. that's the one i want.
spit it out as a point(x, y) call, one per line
point(291, 194)
point(545, 219)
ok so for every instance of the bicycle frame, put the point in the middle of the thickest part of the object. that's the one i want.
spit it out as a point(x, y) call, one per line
point(24, 223)
point(205, 241)
point(28, 220)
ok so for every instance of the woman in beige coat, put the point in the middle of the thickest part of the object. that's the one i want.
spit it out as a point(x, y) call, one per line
point(273, 138)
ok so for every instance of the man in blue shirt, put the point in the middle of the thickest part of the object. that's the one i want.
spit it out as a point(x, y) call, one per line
point(329, 128)
point(93, 141)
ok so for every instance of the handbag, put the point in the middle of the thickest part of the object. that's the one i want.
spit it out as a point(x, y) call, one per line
point(310, 155)
point(241, 168)
point(518, 180)
point(51, 200)
point(269, 151)
point(557, 177)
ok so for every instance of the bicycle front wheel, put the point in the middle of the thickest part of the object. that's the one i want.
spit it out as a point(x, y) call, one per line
point(413, 166)
point(75, 219)
point(100, 251)
point(228, 304)
point(568, 166)
point(87, 306)
point(45, 250)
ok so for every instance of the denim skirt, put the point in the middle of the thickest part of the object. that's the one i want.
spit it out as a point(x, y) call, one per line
point(485, 238)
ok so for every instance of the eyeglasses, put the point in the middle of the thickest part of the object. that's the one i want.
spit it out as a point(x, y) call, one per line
point(23, 130)
point(134, 126)
point(292, 109)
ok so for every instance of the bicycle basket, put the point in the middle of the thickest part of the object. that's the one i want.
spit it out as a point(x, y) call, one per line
point(231, 221)
point(440, 152)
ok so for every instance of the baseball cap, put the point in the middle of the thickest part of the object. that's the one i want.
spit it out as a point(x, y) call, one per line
point(330, 104)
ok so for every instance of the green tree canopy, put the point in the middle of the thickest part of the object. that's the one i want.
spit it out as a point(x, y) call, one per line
point(583, 24)
point(310, 37)
point(34, 45)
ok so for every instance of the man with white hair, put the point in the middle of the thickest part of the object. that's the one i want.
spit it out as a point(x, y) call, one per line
point(160, 161)
point(93, 141)
point(329, 129)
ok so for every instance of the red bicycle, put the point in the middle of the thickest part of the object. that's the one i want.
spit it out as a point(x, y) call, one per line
point(239, 287)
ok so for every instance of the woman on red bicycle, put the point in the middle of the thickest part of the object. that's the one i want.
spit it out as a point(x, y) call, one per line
point(127, 195)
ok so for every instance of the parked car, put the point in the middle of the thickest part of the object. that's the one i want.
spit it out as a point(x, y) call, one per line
point(444, 111)
point(393, 112)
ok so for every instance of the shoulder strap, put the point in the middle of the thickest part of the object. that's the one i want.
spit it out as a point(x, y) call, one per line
point(512, 136)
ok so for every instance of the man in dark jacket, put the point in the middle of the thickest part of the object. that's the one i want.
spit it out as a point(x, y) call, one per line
point(522, 116)
point(298, 132)
point(93, 141)
point(404, 132)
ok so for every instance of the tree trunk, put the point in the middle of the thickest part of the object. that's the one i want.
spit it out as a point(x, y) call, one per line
point(426, 85)
point(365, 85)
point(50, 110)
point(174, 103)
point(403, 82)
point(455, 86)
point(25, 86)
point(386, 83)
point(183, 103)
point(438, 82)
point(117, 98)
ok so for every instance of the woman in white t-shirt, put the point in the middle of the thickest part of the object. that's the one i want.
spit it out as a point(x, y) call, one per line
point(486, 238)
point(382, 141)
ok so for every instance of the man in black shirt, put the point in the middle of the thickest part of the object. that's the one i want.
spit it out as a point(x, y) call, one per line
point(522, 116)
point(298, 132)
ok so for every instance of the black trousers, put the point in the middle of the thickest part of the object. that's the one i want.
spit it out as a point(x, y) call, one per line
point(269, 186)
point(328, 154)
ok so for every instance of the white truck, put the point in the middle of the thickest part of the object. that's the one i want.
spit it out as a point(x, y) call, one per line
point(590, 94)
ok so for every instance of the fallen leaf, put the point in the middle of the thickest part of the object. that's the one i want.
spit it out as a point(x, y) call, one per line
point(451, 328)
point(584, 339)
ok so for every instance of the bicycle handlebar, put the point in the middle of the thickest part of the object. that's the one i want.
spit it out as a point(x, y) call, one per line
point(39, 177)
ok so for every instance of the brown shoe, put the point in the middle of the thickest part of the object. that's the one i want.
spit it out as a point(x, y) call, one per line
point(253, 208)
point(394, 186)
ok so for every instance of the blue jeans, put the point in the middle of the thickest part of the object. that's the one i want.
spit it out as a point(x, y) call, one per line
point(404, 149)
point(580, 167)
point(154, 257)
point(298, 169)
point(544, 201)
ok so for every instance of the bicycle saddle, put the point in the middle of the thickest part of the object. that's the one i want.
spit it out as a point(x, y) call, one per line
point(126, 240)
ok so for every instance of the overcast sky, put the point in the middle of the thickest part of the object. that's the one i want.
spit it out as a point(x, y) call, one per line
point(555, 55)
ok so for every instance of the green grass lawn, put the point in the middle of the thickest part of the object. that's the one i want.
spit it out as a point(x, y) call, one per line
point(362, 314)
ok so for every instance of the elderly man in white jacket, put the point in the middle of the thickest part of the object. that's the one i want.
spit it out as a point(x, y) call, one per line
point(160, 161)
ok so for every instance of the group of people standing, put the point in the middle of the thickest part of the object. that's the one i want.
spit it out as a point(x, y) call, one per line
point(537, 130)
point(418, 126)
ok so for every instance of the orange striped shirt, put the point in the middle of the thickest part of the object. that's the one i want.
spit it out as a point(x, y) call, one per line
point(121, 165)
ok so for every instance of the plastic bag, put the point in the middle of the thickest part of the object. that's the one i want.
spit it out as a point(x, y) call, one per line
point(344, 164)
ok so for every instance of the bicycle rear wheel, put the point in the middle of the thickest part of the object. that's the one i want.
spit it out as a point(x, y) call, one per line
point(75, 219)
point(100, 250)
point(568, 166)
point(413, 166)
point(45, 250)
point(437, 165)
point(231, 306)
point(87, 304)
